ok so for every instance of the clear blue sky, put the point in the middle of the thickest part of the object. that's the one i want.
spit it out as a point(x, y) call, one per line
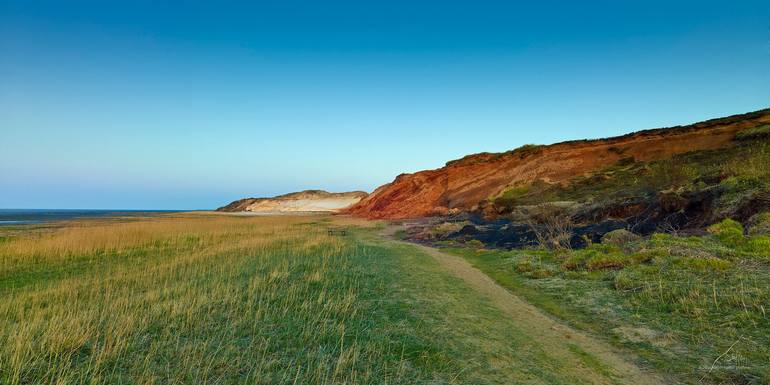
point(166, 105)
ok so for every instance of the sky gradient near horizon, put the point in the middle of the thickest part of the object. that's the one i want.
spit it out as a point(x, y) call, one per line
point(189, 105)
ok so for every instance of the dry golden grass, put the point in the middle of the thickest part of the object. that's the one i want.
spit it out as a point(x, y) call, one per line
point(81, 324)
point(91, 236)
point(347, 220)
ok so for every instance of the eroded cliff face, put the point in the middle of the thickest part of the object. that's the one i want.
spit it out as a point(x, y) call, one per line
point(303, 201)
point(464, 184)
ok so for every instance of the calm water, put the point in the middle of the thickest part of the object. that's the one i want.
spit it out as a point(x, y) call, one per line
point(32, 216)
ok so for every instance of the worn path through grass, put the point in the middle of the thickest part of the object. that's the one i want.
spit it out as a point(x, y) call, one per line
point(212, 299)
point(595, 360)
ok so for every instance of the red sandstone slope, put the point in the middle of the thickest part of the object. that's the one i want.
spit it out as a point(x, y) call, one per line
point(462, 184)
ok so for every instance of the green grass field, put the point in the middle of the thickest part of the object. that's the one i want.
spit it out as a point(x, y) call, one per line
point(696, 308)
point(196, 299)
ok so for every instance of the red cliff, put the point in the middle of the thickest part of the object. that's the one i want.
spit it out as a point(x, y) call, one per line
point(464, 183)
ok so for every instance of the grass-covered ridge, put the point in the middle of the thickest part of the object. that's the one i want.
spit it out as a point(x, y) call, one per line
point(668, 258)
point(734, 171)
point(759, 132)
point(695, 307)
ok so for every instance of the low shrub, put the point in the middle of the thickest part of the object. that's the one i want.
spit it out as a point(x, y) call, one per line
point(760, 224)
point(603, 248)
point(595, 257)
point(528, 149)
point(528, 269)
point(443, 229)
point(620, 237)
point(659, 239)
point(539, 273)
point(624, 281)
point(552, 225)
point(524, 266)
point(475, 243)
point(729, 232)
point(608, 261)
point(563, 255)
point(758, 132)
point(575, 261)
point(647, 255)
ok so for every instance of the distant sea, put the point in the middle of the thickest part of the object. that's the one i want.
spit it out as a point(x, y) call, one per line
point(33, 216)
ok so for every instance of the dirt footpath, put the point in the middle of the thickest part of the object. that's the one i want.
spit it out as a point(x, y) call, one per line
point(556, 338)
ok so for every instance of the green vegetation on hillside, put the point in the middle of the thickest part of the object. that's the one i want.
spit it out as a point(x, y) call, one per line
point(758, 132)
point(697, 308)
point(736, 171)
